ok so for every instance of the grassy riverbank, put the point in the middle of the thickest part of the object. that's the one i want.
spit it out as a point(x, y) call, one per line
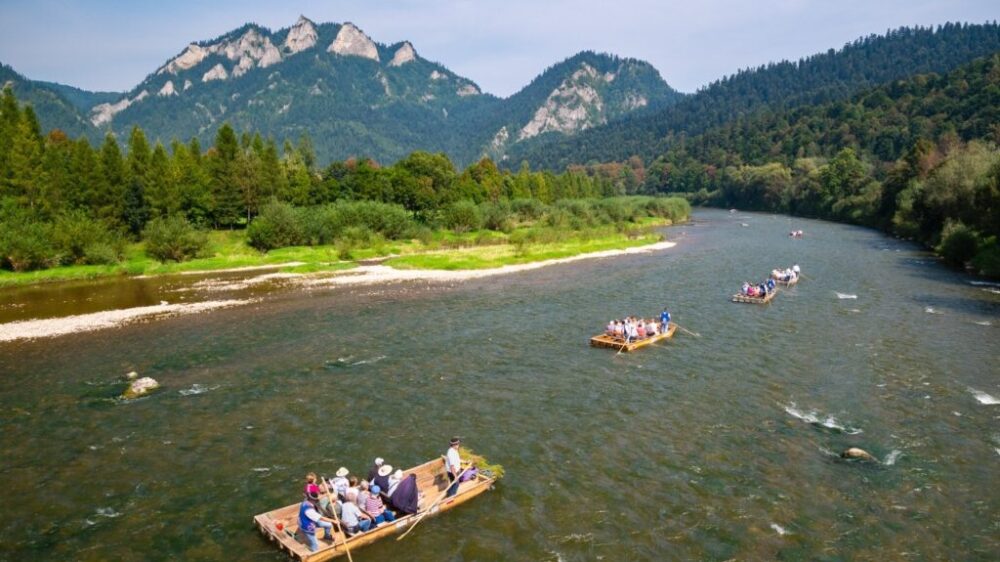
point(444, 249)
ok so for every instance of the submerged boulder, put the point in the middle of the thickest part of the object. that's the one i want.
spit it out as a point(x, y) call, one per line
point(140, 387)
point(858, 454)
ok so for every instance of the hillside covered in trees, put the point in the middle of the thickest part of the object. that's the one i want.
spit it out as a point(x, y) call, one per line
point(818, 79)
point(915, 157)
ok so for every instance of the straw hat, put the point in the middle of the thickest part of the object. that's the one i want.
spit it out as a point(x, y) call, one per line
point(385, 470)
point(378, 461)
point(342, 472)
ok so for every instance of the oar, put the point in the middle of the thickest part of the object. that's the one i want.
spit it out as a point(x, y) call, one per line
point(624, 342)
point(433, 505)
point(333, 508)
point(686, 331)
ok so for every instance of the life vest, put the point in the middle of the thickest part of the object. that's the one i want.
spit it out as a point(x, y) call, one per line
point(307, 525)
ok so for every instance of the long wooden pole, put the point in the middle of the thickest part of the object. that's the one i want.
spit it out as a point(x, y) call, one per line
point(333, 508)
point(625, 336)
point(458, 480)
point(686, 330)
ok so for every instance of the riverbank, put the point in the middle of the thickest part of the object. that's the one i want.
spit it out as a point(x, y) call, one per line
point(442, 250)
point(360, 275)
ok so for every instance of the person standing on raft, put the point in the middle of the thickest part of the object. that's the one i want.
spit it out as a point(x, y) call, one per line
point(664, 321)
point(453, 464)
point(310, 519)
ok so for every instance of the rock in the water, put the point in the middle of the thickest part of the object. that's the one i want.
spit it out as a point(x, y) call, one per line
point(140, 387)
point(859, 454)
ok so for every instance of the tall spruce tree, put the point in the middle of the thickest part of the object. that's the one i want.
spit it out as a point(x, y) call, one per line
point(109, 196)
point(161, 185)
point(227, 202)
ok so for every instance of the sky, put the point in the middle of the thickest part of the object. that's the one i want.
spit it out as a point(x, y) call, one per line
point(111, 45)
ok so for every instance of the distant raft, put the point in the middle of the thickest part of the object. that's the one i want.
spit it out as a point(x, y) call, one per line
point(281, 525)
point(787, 277)
point(754, 300)
point(617, 343)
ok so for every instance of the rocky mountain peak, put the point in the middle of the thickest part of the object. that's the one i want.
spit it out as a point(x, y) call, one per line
point(351, 41)
point(403, 55)
point(301, 36)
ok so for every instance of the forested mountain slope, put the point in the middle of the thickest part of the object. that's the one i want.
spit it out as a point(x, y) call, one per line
point(830, 76)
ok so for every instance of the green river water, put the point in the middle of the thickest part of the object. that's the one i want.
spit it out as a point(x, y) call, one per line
point(713, 448)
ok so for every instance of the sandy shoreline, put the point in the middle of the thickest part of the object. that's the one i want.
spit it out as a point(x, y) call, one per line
point(361, 275)
point(51, 327)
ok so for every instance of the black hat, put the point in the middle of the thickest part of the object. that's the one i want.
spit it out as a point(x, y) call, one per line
point(455, 441)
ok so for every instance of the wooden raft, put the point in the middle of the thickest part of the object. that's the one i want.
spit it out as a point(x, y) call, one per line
point(612, 342)
point(432, 481)
point(788, 283)
point(754, 300)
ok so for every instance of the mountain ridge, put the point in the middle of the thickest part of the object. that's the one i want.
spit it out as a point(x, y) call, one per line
point(356, 97)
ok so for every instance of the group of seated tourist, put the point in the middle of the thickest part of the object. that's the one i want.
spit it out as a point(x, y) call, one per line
point(796, 234)
point(632, 329)
point(757, 290)
point(356, 506)
point(786, 275)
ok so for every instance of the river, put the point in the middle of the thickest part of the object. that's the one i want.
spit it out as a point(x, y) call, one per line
point(716, 447)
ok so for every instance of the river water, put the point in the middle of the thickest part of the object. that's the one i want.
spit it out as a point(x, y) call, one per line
point(712, 448)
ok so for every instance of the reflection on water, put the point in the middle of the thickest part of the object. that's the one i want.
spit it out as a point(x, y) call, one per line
point(685, 450)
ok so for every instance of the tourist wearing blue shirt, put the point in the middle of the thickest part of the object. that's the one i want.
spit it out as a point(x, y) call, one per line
point(664, 320)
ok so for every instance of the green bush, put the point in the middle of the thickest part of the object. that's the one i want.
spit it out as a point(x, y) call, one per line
point(528, 209)
point(82, 240)
point(958, 243)
point(497, 216)
point(462, 216)
point(173, 239)
point(27, 245)
point(278, 225)
point(987, 259)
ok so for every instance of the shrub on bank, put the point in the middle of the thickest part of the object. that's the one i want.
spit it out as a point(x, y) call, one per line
point(462, 216)
point(958, 244)
point(278, 225)
point(497, 216)
point(27, 242)
point(82, 240)
point(26, 245)
point(173, 239)
point(987, 259)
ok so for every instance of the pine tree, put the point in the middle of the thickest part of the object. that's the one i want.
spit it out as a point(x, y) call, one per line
point(226, 198)
point(10, 116)
point(161, 185)
point(57, 172)
point(193, 191)
point(109, 195)
point(24, 181)
point(86, 177)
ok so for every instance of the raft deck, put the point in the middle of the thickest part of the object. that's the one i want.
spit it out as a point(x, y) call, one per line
point(612, 342)
point(754, 300)
point(432, 481)
point(788, 283)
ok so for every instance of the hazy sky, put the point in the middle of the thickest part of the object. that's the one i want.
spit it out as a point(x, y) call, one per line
point(502, 45)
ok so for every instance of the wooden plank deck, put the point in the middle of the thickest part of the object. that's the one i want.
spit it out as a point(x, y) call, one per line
point(754, 300)
point(431, 482)
point(605, 340)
